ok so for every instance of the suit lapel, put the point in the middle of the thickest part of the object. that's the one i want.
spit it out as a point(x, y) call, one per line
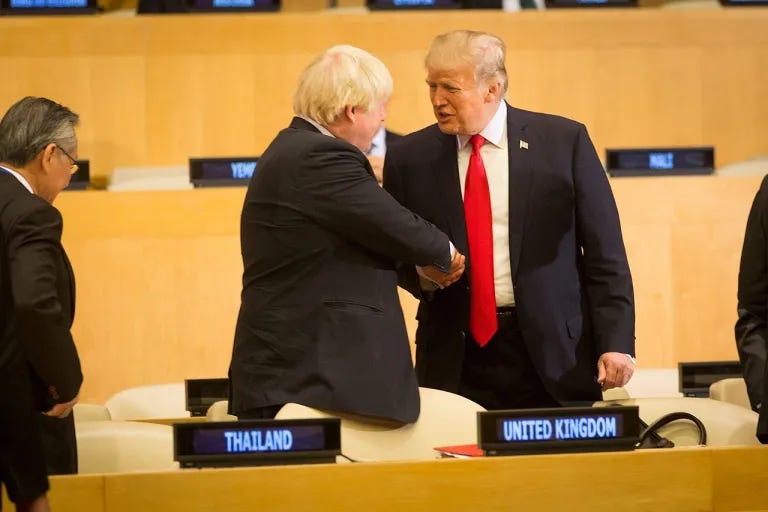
point(71, 277)
point(447, 182)
point(521, 150)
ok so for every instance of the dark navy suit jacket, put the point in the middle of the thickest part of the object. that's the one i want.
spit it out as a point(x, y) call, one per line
point(320, 321)
point(572, 283)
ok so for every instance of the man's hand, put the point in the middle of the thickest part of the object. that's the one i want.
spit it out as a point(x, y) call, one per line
point(443, 279)
point(377, 163)
point(62, 410)
point(614, 370)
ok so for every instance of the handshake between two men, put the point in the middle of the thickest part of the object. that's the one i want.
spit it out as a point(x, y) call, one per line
point(433, 278)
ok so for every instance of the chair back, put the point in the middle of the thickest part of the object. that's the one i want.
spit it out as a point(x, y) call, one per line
point(90, 412)
point(733, 391)
point(726, 424)
point(218, 411)
point(446, 419)
point(124, 446)
point(147, 402)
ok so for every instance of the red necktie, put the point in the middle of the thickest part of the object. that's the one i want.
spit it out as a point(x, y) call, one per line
point(477, 213)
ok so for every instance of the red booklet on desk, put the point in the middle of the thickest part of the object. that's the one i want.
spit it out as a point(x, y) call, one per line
point(460, 451)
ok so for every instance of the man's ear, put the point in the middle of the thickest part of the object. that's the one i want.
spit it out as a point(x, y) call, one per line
point(47, 155)
point(494, 92)
point(349, 113)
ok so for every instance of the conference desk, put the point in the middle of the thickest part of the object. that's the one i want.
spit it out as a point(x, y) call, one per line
point(681, 479)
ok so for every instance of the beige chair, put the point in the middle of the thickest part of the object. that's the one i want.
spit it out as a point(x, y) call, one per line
point(615, 394)
point(446, 419)
point(726, 424)
point(757, 166)
point(733, 391)
point(148, 402)
point(123, 446)
point(90, 412)
point(218, 412)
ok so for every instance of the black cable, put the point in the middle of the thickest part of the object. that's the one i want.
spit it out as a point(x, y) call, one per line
point(669, 418)
point(348, 458)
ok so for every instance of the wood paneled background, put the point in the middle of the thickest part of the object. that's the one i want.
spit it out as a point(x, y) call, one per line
point(159, 272)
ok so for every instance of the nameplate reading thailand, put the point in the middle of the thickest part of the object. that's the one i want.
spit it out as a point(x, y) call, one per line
point(257, 442)
point(558, 430)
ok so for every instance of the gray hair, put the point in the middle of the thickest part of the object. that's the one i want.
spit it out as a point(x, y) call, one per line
point(33, 123)
point(483, 51)
point(341, 76)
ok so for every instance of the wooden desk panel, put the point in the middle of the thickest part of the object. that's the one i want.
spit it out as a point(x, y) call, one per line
point(672, 481)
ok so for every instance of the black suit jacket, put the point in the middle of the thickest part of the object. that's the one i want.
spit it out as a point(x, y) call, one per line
point(320, 322)
point(752, 324)
point(571, 279)
point(39, 365)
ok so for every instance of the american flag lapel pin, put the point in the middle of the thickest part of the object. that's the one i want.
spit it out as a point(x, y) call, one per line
point(523, 144)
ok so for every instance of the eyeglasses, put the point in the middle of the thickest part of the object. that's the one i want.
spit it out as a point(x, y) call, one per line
point(73, 169)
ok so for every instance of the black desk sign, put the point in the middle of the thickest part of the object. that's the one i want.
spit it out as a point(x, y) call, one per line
point(660, 161)
point(82, 178)
point(232, 5)
point(412, 4)
point(202, 393)
point(695, 378)
point(558, 430)
point(48, 7)
point(590, 3)
point(257, 442)
point(222, 172)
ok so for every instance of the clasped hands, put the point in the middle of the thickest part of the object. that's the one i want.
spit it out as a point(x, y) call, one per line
point(62, 410)
point(442, 279)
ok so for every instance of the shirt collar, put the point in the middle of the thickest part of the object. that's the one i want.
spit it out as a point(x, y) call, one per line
point(19, 177)
point(379, 143)
point(493, 131)
point(317, 125)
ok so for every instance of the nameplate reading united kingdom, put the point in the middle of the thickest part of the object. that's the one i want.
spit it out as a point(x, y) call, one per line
point(567, 429)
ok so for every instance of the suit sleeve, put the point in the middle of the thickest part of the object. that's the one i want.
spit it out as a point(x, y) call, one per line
point(34, 250)
point(407, 278)
point(752, 327)
point(606, 277)
point(340, 193)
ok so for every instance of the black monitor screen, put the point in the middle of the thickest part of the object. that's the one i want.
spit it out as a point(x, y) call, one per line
point(82, 178)
point(696, 377)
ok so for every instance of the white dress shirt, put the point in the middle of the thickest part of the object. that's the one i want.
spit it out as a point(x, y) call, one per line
point(19, 177)
point(496, 162)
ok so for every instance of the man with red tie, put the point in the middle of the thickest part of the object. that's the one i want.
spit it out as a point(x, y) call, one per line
point(544, 313)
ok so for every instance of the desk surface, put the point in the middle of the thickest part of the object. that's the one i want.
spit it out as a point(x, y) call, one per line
point(659, 480)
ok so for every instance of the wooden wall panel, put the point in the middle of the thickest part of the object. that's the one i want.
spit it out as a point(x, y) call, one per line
point(159, 276)
point(154, 90)
point(159, 273)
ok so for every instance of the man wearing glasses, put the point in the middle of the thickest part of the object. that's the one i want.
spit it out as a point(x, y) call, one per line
point(40, 373)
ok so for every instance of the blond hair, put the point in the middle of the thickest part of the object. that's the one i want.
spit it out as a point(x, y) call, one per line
point(483, 51)
point(341, 76)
